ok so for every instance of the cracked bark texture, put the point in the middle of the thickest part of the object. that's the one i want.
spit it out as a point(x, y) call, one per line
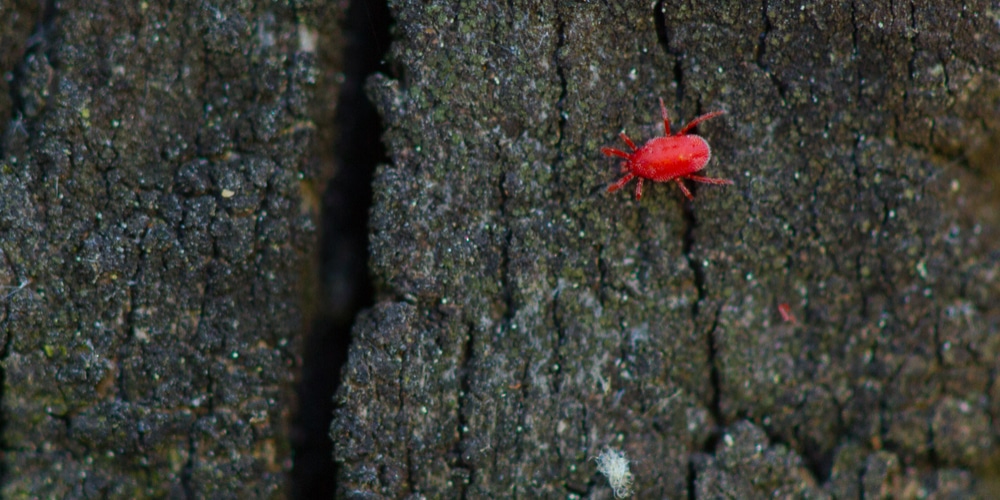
point(528, 320)
point(155, 219)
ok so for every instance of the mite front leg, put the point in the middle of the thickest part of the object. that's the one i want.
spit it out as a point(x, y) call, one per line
point(621, 182)
point(615, 152)
point(627, 140)
point(694, 123)
point(666, 119)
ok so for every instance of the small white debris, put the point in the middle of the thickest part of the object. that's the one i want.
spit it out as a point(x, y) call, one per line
point(613, 464)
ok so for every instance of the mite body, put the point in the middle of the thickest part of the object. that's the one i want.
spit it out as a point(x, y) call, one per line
point(668, 158)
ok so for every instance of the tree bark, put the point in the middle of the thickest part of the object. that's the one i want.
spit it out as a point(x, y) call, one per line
point(528, 320)
point(155, 220)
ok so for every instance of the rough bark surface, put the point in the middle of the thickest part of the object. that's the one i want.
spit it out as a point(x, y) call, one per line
point(154, 228)
point(528, 320)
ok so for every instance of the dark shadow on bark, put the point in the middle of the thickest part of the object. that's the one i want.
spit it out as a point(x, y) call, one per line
point(344, 247)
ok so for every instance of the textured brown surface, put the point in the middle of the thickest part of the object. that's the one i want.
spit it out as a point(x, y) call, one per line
point(154, 232)
point(528, 320)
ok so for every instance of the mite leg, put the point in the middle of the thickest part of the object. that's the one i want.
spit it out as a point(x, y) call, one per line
point(627, 140)
point(708, 180)
point(615, 152)
point(684, 189)
point(638, 190)
point(694, 123)
point(621, 183)
point(785, 311)
point(666, 119)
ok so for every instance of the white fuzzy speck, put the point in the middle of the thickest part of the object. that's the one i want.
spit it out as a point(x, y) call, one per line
point(613, 464)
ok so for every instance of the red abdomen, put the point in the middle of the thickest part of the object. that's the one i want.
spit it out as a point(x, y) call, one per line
point(665, 158)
